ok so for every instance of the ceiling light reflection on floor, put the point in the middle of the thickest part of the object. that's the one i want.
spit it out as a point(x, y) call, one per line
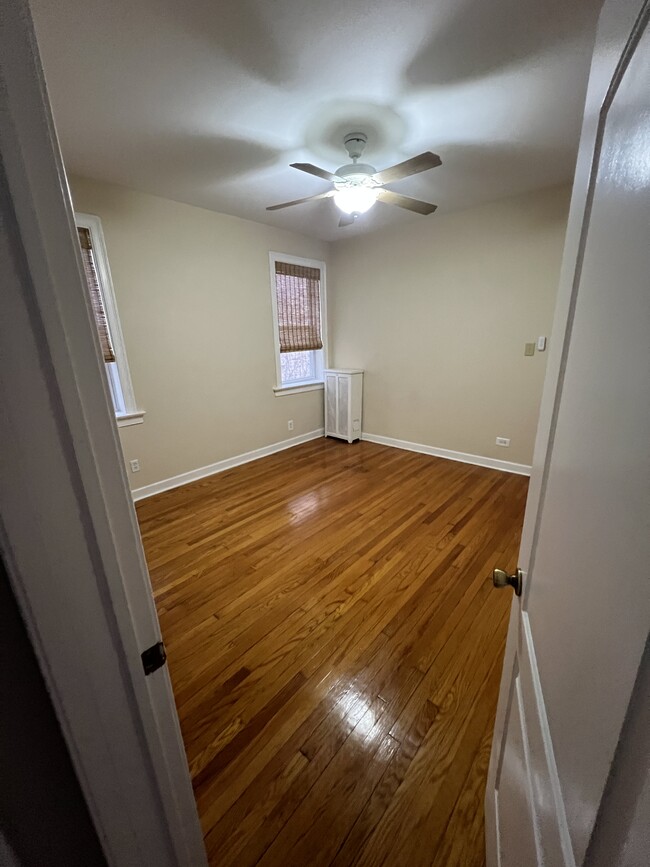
point(304, 506)
point(357, 710)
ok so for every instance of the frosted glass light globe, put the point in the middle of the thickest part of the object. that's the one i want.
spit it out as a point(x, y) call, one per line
point(355, 200)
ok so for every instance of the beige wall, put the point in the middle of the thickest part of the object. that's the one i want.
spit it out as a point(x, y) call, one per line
point(194, 299)
point(437, 313)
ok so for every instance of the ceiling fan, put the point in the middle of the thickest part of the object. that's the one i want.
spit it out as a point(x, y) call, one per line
point(357, 186)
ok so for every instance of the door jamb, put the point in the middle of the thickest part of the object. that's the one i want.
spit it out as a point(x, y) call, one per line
point(68, 529)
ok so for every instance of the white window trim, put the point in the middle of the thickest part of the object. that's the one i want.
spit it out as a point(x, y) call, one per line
point(298, 388)
point(130, 414)
point(305, 385)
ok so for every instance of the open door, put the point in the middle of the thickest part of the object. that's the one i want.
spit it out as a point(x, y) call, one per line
point(68, 533)
point(578, 631)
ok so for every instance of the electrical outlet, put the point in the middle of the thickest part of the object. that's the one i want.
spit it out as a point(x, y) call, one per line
point(529, 349)
point(290, 424)
point(135, 466)
point(541, 344)
point(503, 441)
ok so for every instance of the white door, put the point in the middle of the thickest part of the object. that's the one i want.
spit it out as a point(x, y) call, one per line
point(577, 633)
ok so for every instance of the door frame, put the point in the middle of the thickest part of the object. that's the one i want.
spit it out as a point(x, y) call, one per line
point(68, 530)
point(616, 31)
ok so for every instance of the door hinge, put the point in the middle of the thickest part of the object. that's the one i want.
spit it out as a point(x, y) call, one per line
point(153, 657)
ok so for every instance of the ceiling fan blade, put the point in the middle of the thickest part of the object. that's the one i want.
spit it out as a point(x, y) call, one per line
point(421, 163)
point(326, 195)
point(314, 170)
point(346, 220)
point(419, 207)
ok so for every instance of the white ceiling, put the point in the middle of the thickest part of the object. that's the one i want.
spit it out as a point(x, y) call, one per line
point(208, 101)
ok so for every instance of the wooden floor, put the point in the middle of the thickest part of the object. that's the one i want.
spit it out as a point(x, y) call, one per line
point(335, 647)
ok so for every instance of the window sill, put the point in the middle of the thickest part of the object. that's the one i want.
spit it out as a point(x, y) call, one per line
point(298, 388)
point(129, 418)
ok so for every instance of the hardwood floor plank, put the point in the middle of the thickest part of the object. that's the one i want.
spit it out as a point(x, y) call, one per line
point(246, 734)
point(335, 646)
point(463, 837)
point(386, 789)
point(402, 835)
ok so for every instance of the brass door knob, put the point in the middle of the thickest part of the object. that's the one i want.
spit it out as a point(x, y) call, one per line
point(500, 578)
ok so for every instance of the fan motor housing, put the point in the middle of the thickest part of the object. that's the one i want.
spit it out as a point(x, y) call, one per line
point(356, 173)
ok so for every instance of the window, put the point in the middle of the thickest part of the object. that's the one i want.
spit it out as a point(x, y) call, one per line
point(102, 298)
point(298, 295)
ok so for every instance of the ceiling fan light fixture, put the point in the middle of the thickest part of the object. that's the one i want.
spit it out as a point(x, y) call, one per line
point(355, 199)
point(357, 186)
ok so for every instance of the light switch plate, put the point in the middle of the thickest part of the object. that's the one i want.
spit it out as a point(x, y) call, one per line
point(529, 349)
point(541, 344)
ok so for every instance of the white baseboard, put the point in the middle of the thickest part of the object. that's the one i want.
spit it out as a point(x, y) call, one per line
point(220, 466)
point(237, 460)
point(479, 460)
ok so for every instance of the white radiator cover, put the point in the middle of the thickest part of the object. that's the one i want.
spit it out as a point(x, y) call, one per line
point(343, 402)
